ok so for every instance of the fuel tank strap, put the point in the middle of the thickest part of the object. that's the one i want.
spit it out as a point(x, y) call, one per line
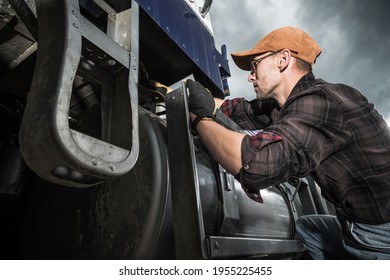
point(187, 212)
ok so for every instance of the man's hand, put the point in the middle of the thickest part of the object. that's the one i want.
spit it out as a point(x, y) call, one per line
point(200, 101)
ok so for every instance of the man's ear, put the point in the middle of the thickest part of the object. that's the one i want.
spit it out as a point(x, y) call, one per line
point(284, 59)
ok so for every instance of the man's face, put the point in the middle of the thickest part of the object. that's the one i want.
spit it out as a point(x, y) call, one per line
point(264, 75)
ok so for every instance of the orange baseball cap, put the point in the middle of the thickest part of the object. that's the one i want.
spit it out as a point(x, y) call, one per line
point(300, 43)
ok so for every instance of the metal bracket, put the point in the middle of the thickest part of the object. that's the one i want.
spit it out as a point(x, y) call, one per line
point(187, 211)
point(223, 247)
point(231, 213)
point(53, 150)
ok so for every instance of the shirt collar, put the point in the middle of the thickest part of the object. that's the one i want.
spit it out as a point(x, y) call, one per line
point(304, 83)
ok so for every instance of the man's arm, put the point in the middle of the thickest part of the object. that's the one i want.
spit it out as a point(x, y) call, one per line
point(223, 144)
point(249, 115)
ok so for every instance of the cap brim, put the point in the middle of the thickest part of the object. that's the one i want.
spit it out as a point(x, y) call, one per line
point(241, 59)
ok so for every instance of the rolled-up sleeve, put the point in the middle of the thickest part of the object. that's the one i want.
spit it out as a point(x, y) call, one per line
point(262, 160)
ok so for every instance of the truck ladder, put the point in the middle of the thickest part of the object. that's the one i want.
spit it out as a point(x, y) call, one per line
point(50, 147)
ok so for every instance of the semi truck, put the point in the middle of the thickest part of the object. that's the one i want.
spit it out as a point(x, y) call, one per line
point(97, 156)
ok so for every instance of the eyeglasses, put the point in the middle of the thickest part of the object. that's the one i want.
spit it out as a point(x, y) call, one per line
point(254, 63)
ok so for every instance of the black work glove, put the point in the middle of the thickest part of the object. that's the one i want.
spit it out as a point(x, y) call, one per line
point(200, 101)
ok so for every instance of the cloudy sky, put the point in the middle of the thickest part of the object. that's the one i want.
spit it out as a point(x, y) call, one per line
point(353, 34)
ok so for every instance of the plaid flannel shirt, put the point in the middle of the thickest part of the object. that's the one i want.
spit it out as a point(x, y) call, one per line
point(328, 131)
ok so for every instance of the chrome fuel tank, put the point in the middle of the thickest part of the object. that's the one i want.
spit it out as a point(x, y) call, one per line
point(228, 211)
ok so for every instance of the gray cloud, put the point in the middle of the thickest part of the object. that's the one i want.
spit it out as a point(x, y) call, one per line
point(354, 36)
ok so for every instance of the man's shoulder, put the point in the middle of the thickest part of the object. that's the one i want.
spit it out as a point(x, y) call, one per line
point(337, 90)
point(345, 96)
point(318, 91)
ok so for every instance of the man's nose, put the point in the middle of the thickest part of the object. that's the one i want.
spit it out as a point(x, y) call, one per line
point(251, 77)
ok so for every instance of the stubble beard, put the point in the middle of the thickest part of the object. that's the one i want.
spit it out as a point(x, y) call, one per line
point(264, 94)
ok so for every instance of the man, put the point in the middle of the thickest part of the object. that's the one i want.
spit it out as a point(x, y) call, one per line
point(310, 127)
